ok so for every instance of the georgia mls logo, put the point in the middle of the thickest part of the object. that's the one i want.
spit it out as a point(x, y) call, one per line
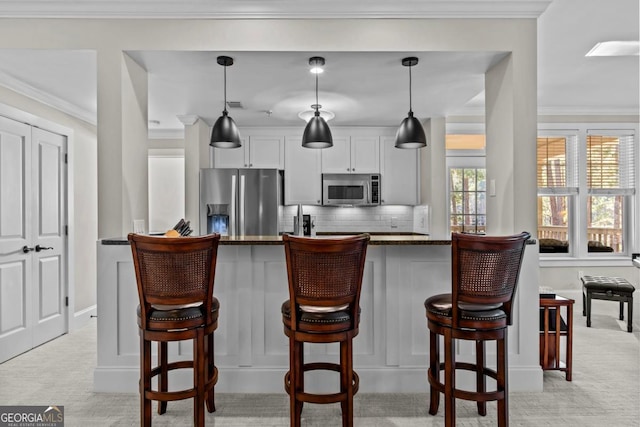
point(31, 416)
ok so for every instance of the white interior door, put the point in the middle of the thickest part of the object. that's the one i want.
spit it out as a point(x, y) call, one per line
point(49, 254)
point(32, 214)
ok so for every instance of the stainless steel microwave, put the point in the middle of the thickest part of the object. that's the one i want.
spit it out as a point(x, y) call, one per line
point(350, 189)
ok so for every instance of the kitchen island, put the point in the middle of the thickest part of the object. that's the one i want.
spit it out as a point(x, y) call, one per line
point(390, 354)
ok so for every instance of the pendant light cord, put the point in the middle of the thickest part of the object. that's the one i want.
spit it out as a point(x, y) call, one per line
point(317, 107)
point(225, 89)
point(410, 109)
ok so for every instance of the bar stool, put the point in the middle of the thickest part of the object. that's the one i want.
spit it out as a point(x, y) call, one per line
point(485, 274)
point(175, 278)
point(325, 278)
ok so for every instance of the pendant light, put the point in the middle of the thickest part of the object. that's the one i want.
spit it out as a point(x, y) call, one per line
point(317, 133)
point(410, 133)
point(225, 133)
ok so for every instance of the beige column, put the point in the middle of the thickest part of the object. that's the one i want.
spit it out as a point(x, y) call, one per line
point(135, 145)
point(434, 177)
point(122, 143)
point(196, 156)
point(510, 105)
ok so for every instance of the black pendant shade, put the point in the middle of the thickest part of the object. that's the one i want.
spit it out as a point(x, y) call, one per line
point(317, 133)
point(410, 134)
point(225, 133)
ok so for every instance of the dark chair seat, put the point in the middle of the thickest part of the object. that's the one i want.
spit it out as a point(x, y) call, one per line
point(439, 309)
point(324, 322)
point(181, 318)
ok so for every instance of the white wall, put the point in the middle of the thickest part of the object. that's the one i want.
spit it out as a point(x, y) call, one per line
point(166, 189)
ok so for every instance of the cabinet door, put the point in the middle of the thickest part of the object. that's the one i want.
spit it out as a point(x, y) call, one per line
point(399, 174)
point(336, 159)
point(365, 154)
point(266, 152)
point(231, 158)
point(302, 173)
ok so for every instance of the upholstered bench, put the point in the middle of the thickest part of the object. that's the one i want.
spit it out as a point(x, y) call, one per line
point(610, 289)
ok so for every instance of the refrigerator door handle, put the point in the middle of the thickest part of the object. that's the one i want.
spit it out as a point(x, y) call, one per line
point(242, 215)
point(232, 216)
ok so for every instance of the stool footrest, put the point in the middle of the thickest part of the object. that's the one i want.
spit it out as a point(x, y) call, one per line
point(475, 396)
point(321, 397)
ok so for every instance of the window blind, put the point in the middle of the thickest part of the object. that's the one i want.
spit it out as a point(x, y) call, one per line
point(610, 165)
point(557, 171)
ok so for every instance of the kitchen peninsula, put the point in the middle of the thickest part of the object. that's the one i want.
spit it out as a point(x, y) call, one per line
point(251, 350)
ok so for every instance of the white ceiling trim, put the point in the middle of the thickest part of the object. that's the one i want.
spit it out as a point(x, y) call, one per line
point(165, 134)
point(44, 97)
point(276, 9)
point(587, 111)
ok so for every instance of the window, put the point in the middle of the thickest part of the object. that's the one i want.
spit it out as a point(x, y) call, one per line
point(557, 177)
point(468, 198)
point(467, 179)
point(586, 186)
point(610, 185)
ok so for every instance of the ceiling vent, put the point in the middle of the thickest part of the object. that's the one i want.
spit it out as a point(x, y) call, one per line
point(235, 104)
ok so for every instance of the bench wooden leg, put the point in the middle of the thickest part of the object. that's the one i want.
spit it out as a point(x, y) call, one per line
point(588, 309)
point(621, 317)
point(630, 314)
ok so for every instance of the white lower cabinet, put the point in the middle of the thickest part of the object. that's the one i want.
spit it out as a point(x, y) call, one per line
point(400, 174)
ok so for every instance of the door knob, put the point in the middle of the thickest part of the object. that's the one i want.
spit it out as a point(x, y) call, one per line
point(42, 248)
point(26, 249)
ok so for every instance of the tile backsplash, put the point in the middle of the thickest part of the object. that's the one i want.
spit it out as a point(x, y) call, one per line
point(390, 219)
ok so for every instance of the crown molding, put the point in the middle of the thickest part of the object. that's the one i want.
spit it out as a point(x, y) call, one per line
point(272, 9)
point(165, 133)
point(588, 111)
point(18, 86)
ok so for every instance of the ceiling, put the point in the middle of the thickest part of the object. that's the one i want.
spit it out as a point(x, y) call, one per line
point(360, 88)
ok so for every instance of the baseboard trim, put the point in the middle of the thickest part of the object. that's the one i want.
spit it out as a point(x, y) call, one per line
point(82, 317)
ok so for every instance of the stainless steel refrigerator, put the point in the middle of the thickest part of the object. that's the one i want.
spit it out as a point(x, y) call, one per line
point(240, 202)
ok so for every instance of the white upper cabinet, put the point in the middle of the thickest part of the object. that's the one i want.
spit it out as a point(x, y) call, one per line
point(356, 154)
point(337, 159)
point(258, 152)
point(302, 173)
point(230, 157)
point(400, 174)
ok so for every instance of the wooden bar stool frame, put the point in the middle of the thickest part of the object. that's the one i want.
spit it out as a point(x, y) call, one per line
point(175, 279)
point(325, 274)
point(485, 274)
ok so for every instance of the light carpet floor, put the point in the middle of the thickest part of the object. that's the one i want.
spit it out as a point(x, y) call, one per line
point(605, 390)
